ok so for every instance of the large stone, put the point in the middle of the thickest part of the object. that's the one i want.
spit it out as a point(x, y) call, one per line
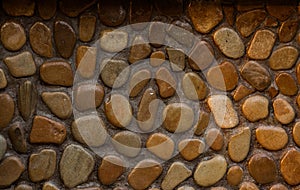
point(239, 145)
point(161, 145)
point(111, 13)
point(166, 82)
point(27, 99)
point(17, 138)
point(11, 169)
point(271, 138)
point(181, 32)
point(19, 8)
point(87, 26)
point(6, 114)
point(21, 65)
point(59, 103)
point(283, 58)
point(256, 108)
point(73, 8)
point(65, 38)
point(13, 36)
point(127, 143)
point(247, 22)
point(193, 86)
point(111, 168)
point(57, 73)
point(283, 111)
point(290, 167)
point(113, 40)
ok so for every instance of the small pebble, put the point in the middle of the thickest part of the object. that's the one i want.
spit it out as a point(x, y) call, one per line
point(286, 84)
point(17, 137)
point(6, 114)
point(193, 86)
point(214, 139)
point(234, 175)
point(46, 9)
point(296, 133)
point(176, 58)
point(113, 41)
point(27, 99)
point(111, 13)
point(3, 81)
point(127, 143)
point(166, 82)
point(190, 149)
point(160, 145)
point(157, 58)
point(239, 145)
point(256, 108)
point(288, 30)
point(283, 111)
point(57, 73)
point(271, 138)
point(13, 36)
point(139, 50)
point(111, 168)
point(59, 103)
point(87, 26)
point(255, 17)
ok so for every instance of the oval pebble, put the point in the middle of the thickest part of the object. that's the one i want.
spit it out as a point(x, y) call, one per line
point(271, 138)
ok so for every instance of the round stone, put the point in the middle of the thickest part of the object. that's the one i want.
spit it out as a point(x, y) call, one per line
point(256, 108)
point(210, 171)
point(290, 167)
point(286, 84)
point(3, 81)
point(283, 111)
point(296, 133)
point(6, 114)
point(278, 186)
point(190, 149)
point(288, 30)
point(262, 168)
point(127, 143)
point(166, 82)
point(283, 58)
point(234, 175)
point(214, 139)
point(178, 117)
point(161, 145)
point(59, 103)
point(57, 73)
point(239, 145)
point(193, 86)
point(113, 41)
point(111, 13)
point(87, 25)
point(11, 169)
point(139, 49)
point(118, 110)
point(271, 138)
point(229, 43)
point(13, 36)
point(3, 146)
point(247, 22)
point(248, 186)
point(111, 168)
point(46, 9)
point(157, 58)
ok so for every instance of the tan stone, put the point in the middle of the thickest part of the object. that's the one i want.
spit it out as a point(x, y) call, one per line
point(271, 138)
point(201, 56)
point(86, 61)
point(59, 103)
point(239, 145)
point(139, 49)
point(247, 22)
point(157, 58)
point(283, 58)
point(273, 92)
point(88, 96)
point(283, 111)
point(127, 143)
point(6, 114)
point(256, 108)
point(176, 59)
point(248, 186)
point(286, 84)
point(241, 92)
point(87, 25)
point(11, 169)
point(166, 82)
point(278, 186)
point(138, 81)
point(190, 149)
point(161, 145)
point(214, 139)
point(296, 133)
point(193, 86)
point(156, 37)
point(111, 168)
point(290, 167)
point(113, 41)
point(201, 123)
point(13, 36)
point(49, 186)
point(57, 73)
point(234, 175)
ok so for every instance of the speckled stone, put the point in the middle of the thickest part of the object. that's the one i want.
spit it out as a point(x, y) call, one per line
point(248, 186)
point(139, 49)
point(283, 111)
point(202, 122)
point(201, 56)
point(160, 145)
point(46, 9)
point(27, 99)
point(113, 41)
point(241, 92)
point(45, 130)
point(3, 146)
point(118, 110)
point(87, 26)
point(278, 186)
point(65, 38)
point(178, 117)
point(19, 8)
point(262, 168)
point(140, 11)
point(229, 43)
point(166, 82)
point(234, 175)
point(283, 58)
point(176, 174)
point(193, 86)
point(127, 143)
point(57, 73)
point(3, 80)
point(290, 167)
point(17, 137)
point(42, 165)
point(296, 133)
point(49, 186)
point(156, 37)
point(281, 12)
point(210, 171)
point(222, 108)
point(205, 15)
point(111, 168)
point(73, 8)
point(138, 81)
point(239, 145)
point(214, 139)
point(73, 172)
point(21, 65)
point(23, 187)
point(223, 77)
point(286, 84)
point(86, 61)
point(144, 174)
point(11, 169)
point(13, 36)
point(256, 108)
point(288, 30)
point(247, 22)
point(157, 58)
point(176, 58)
point(271, 138)
point(89, 130)
point(111, 13)
point(261, 45)
point(6, 114)
point(59, 103)
point(40, 38)
point(190, 149)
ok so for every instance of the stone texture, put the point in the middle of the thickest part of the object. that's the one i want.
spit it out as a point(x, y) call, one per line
point(89, 130)
point(3, 80)
point(166, 82)
point(278, 186)
point(271, 22)
point(256, 108)
point(169, 7)
point(6, 114)
point(27, 99)
point(176, 58)
point(140, 11)
point(193, 86)
point(138, 81)
point(72, 171)
point(281, 12)
point(290, 167)
point(73, 8)
point(42, 165)
point(248, 186)
point(229, 43)
point(239, 145)
point(247, 22)
point(45, 130)
point(201, 56)
point(17, 138)
point(214, 139)
point(286, 84)
point(139, 49)
point(57, 73)
point(234, 175)
point(59, 103)
point(118, 110)
point(49, 186)
point(205, 15)
point(157, 58)
point(111, 168)
point(271, 138)
point(86, 61)
point(23, 187)
point(3, 146)
point(87, 26)
point(190, 149)
point(65, 38)
point(223, 111)
point(156, 37)
point(13, 36)
point(210, 171)
point(256, 75)
point(46, 9)
point(202, 122)
point(261, 44)
point(88, 96)
point(283, 111)
point(21, 65)
point(176, 174)
point(288, 30)
point(11, 169)
point(111, 13)
point(113, 41)
point(127, 143)
point(160, 145)
point(178, 117)
point(283, 58)
point(19, 8)
point(296, 133)
point(241, 92)
point(40, 38)
point(181, 31)
point(223, 77)
point(185, 188)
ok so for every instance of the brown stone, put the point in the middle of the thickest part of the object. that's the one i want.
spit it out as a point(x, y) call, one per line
point(169, 7)
point(59, 103)
point(3, 146)
point(23, 187)
point(286, 84)
point(261, 45)
point(241, 92)
point(193, 86)
point(283, 111)
point(111, 13)
point(256, 75)
point(283, 58)
point(140, 11)
point(88, 96)
point(223, 77)
point(279, 11)
point(144, 174)
point(73, 8)
point(273, 92)
point(57, 73)
point(201, 56)
point(190, 149)
point(161, 145)
point(139, 49)
point(296, 133)
point(262, 168)
point(3, 80)
point(87, 26)
point(205, 15)
point(111, 168)
point(127, 143)
point(156, 37)
point(86, 61)
point(11, 169)
point(180, 30)
point(249, 5)
point(19, 8)
point(271, 138)
point(13, 36)
point(229, 14)
point(27, 99)
point(138, 81)
point(288, 30)
point(166, 82)
point(40, 38)
point(49, 186)
point(157, 58)
point(46, 9)
point(271, 22)
point(234, 175)
point(247, 22)
point(45, 130)
point(176, 58)
point(64, 37)
point(17, 138)
point(256, 108)
point(214, 139)
point(202, 123)
point(248, 186)
point(239, 145)
point(298, 72)
point(290, 167)
point(278, 186)
point(6, 114)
